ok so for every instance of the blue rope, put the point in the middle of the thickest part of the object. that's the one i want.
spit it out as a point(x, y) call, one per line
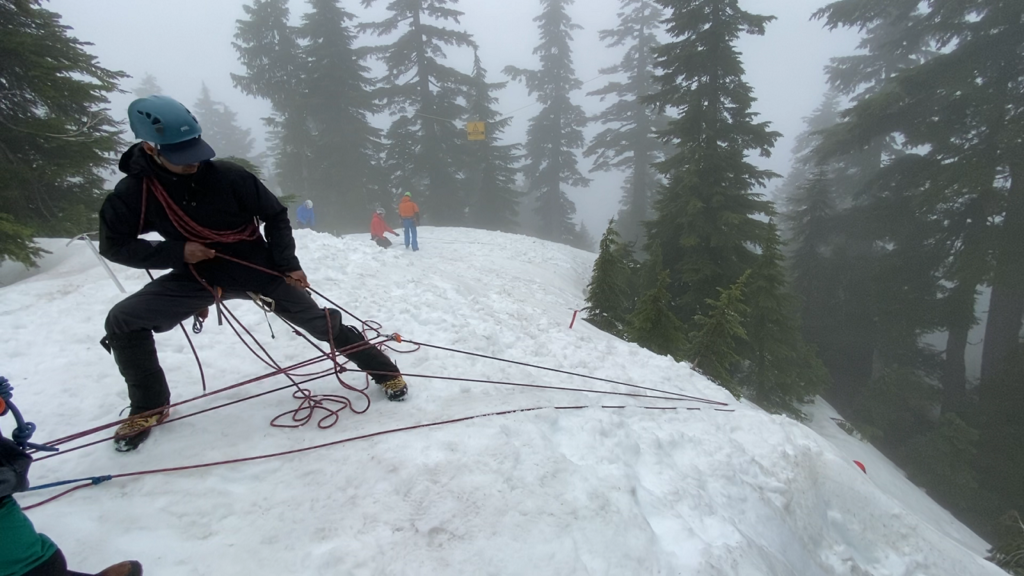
point(94, 480)
point(23, 432)
point(6, 391)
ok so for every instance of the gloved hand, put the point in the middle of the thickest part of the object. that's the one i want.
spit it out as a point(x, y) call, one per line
point(14, 464)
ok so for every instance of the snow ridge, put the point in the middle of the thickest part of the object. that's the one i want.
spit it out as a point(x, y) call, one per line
point(561, 492)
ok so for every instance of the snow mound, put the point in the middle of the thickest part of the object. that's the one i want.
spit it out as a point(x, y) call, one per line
point(594, 490)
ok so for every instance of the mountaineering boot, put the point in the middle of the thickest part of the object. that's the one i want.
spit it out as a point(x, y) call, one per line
point(126, 568)
point(135, 355)
point(394, 388)
point(375, 362)
point(133, 432)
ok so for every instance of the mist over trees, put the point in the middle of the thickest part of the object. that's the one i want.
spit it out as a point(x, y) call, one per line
point(556, 132)
point(220, 127)
point(426, 97)
point(147, 86)
point(492, 197)
point(904, 201)
point(629, 142)
point(911, 204)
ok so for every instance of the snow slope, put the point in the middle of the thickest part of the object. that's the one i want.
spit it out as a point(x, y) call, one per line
point(561, 492)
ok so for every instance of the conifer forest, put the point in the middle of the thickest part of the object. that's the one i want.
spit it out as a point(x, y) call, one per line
point(868, 273)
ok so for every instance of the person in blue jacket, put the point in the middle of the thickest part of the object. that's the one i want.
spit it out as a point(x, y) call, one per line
point(304, 215)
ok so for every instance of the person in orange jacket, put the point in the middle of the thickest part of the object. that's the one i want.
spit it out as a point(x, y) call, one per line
point(378, 227)
point(410, 214)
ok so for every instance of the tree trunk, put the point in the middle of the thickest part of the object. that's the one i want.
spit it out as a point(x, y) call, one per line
point(1002, 334)
point(954, 370)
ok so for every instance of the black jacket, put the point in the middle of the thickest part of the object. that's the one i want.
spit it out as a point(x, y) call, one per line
point(221, 196)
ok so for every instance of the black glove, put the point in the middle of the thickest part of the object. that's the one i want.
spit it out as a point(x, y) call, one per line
point(14, 463)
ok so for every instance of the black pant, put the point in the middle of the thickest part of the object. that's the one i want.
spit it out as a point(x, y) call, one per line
point(176, 296)
point(382, 241)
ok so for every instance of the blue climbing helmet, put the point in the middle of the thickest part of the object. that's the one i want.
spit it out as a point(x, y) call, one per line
point(168, 125)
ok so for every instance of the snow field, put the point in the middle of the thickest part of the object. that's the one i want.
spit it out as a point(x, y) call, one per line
point(589, 491)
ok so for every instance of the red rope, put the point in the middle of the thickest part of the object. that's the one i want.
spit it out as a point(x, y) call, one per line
point(298, 366)
point(310, 403)
point(188, 227)
point(344, 441)
point(578, 375)
point(304, 413)
point(52, 498)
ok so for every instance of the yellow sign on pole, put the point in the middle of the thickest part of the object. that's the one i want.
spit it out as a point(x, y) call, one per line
point(476, 130)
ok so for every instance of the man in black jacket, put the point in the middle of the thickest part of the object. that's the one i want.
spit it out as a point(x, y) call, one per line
point(208, 214)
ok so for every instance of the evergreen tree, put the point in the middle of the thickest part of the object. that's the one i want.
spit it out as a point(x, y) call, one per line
point(1000, 445)
point(249, 165)
point(811, 211)
point(843, 318)
point(607, 293)
point(556, 132)
point(941, 462)
point(969, 264)
point(346, 181)
point(491, 175)
point(712, 347)
point(582, 238)
point(833, 258)
point(903, 289)
point(630, 143)
point(647, 272)
point(17, 243)
point(269, 50)
point(892, 41)
point(964, 119)
point(959, 194)
point(708, 215)
point(1008, 553)
point(626, 252)
point(780, 371)
point(652, 325)
point(55, 133)
point(220, 127)
point(148, 86)
point(832, 278)
point(425, 153)
point(805, 161)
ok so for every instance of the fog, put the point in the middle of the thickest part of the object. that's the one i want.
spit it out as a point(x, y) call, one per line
point(184, 43)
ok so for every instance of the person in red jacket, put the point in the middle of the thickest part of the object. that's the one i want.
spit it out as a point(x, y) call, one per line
point(378, 227)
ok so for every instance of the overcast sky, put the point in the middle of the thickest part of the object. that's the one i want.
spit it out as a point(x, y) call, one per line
point(186, 42)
